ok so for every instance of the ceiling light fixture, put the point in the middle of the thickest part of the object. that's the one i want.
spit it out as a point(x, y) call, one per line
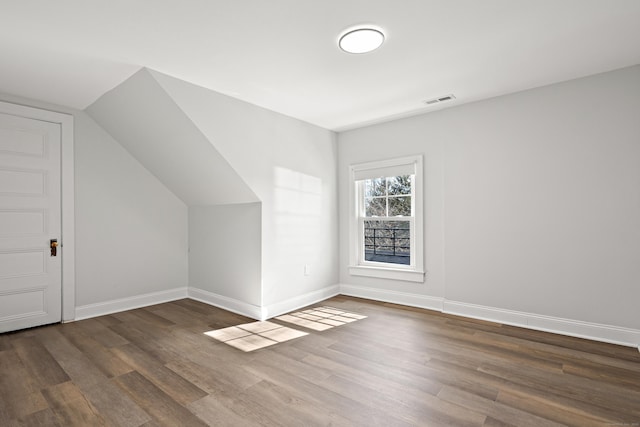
point(361, 40)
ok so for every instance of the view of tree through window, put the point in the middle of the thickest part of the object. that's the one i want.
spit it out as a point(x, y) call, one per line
point(387, 202)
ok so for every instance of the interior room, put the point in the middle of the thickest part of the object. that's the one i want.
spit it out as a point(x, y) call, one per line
point(239, 213)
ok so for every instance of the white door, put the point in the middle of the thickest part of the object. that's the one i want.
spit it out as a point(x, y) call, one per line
point(30, 277)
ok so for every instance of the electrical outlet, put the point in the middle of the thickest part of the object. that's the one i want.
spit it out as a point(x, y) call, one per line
point(307, 270)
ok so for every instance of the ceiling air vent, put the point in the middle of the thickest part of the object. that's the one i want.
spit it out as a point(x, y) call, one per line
point(440, 99)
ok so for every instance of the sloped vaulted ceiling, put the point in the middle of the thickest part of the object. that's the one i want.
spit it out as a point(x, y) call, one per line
point(151, 126)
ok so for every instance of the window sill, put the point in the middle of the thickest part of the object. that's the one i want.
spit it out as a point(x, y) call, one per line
point(387, 273)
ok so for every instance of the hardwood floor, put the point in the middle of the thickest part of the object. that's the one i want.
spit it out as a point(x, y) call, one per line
point(400, 366)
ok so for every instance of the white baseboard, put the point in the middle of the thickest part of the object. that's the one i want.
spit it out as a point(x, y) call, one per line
point(299, 301)
point(395, 297)
point(122, 304)
point(575, 328)
point(557, 325)
point(220, 301)
point(226, 303)
point(593, 331)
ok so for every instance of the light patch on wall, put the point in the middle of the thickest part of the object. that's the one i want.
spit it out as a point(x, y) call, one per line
point(296, 192)
point(298, 202)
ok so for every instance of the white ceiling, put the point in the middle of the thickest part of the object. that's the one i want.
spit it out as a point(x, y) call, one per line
point(282, 54)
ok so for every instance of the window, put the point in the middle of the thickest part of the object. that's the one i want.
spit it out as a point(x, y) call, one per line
point(386, 217)
point(386, 227)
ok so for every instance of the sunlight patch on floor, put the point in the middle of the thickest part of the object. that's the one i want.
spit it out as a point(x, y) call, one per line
point(255, 335)
point(320, 318)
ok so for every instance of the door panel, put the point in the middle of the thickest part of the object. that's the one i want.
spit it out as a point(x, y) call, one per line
point(30, 278)
point(22, 182)
point(20, 222)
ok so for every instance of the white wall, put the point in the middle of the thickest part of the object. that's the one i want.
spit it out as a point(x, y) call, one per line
point(224, 251)
point(131, 232)
point(140, 115)
point(532, 200)
point(291, 166)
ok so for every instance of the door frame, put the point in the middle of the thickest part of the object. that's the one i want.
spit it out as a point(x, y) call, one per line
point(67, 202)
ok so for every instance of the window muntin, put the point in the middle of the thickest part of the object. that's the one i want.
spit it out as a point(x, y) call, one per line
point(388, 196)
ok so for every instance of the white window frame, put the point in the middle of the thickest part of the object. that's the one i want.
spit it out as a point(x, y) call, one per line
point(358, 266)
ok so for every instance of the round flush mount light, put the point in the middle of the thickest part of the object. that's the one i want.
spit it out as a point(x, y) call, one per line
point(361, 40)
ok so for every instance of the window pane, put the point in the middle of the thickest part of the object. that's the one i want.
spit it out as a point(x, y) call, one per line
point(375, 187)
point(387, 241)
point(375, 207)
point(399, 185)
point(400, 206)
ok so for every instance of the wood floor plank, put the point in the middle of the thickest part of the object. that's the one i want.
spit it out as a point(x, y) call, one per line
point(409, 406)
point(540, 401)
point(115, 406)
point(608, 396)
point(214, 374)
point(496, 410)
point(492, 422)
point(562, 354)
point(214, 412)
point(371, 374)
point(76, 365)
point(180, 389)
point(147, 315)
point(180, 315)
point(277, 405)
point(559, 413)
point(295, 367)
point(101, 356)
point(584, 345)
point(17, 406)
point(609, 374)
point(348, 406)
point(43, 418)
point(155, 402)
point(70, 406)
point(14, 377)
point(462, 378)
point(99, 329)
point(399, 366)
point(160, 350)
point(111, 404)
point(44, 368)
point(5, 341)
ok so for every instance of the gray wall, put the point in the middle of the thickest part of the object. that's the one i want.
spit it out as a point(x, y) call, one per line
point(131, 231)
point(532, 200)
point(224, 251)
